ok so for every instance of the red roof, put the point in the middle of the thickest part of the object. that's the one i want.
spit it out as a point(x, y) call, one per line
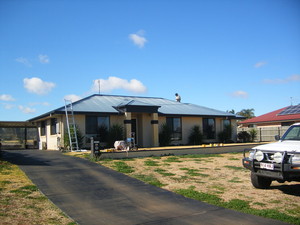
point(272, 117)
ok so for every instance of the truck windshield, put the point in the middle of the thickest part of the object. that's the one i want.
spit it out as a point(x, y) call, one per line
point(293, 133)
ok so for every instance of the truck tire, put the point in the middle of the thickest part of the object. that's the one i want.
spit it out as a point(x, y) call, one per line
point(260, 182)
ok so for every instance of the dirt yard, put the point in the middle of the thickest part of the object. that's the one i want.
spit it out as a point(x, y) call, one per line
point(220, 175)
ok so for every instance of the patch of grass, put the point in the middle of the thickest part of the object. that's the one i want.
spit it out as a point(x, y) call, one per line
point(20, 200)
point(275, 201)
point(123, 167)
point(4, 182)
point(194, 172)
point(235, 167)
point(25, 191)
point(150, 162)
point(218, 187)
point(237, 204)
point(149, 179)
point(200, 196)
point(172, 159)
point(184, 168)
point(235, 180)
point(180, 179)
point(259, 203)
point(200, 156)
point(128, 159)
point(163, 172)
point(234, 159)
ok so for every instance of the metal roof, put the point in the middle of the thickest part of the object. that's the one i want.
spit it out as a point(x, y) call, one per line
point(109, 104)
point(274, 116)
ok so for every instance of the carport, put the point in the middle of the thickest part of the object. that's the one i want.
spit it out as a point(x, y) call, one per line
point(18, 135)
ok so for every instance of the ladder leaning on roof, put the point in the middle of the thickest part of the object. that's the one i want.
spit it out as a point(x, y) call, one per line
point(72, 132)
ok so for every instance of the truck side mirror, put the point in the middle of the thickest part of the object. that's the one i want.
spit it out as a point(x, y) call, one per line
point(277, 137)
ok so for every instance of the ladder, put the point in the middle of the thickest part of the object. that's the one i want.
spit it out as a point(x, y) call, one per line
point(71, 126)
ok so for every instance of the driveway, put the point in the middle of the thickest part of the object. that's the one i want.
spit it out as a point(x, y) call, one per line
point(93, 194)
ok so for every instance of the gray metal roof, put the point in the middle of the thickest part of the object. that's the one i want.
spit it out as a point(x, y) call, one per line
point(108, 104)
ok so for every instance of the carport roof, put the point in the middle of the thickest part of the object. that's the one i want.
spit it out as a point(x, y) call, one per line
point(109, 104)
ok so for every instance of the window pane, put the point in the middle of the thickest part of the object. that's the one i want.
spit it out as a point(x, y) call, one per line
point(96, 124)
point(209, 129)
point(91, 124)
point(43, 128)
point(103, 121)
point(53, 126)
point(174, 123)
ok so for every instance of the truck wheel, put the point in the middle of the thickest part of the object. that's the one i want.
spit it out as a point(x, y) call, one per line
point(260, 182)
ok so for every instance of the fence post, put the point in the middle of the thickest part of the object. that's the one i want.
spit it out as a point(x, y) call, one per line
point(260, 140)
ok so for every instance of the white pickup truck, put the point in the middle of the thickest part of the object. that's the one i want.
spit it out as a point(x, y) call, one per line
point(275, 161)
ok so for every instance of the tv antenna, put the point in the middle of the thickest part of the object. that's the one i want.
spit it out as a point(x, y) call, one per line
point(99, 85)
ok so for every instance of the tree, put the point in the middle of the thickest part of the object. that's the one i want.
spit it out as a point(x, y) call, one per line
point(248, 113)
point(231, 111)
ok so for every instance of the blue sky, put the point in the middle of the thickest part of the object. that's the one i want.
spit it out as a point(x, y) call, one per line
point(220, 54)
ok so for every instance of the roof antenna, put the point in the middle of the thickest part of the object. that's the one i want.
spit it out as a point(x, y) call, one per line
point(99, 85)
point(291, 100)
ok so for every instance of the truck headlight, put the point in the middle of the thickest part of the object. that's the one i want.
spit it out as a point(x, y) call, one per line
point(259, 156)
point(296, 159)
point(277, 157)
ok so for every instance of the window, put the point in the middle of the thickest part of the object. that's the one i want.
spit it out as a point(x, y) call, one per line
point(43, 128)
point(225, 123)
point(53, 126)
point(96, 124)
point(209, 128)
point(174, 123)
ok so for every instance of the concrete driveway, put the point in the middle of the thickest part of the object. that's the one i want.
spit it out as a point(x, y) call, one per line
point(93, 194)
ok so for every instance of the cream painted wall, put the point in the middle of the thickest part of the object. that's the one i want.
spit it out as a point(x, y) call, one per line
point(144, 128)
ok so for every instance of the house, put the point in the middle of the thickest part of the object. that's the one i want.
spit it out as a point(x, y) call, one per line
point(142, 116)
point(280, 117)
point(271, 124)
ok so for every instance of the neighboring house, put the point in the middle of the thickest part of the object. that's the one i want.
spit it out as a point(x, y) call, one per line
point(278, 118)
point(141, 115)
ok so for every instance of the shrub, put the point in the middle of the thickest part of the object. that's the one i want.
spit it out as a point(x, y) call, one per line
point(165, 135)
point(225, 135)
point(244, 136)
point(103, 133)
point(253, 134)
point(80, 137)
point(195, 137)
point(115, 133)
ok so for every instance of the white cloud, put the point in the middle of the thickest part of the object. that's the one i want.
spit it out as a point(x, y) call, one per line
point(26, 110)
point(7, 98)
point(39, 103)
point(293, 78)
point(72, 97)
point(260, 64)
point(24, 61)
point(8, 106)
point(113, 83)
point(37, 86)
point(239, 94)
point(44, 59)
point(138, 38)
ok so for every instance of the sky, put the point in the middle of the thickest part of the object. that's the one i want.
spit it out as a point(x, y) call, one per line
point(233, 54)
